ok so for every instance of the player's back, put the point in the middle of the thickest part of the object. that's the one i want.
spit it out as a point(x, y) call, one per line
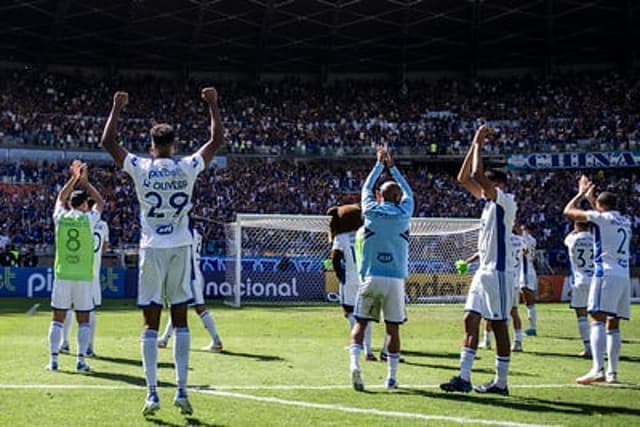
point(345, 243)
point(164, 187)
point(580, 248)
point(612, 234)
point(494, 239)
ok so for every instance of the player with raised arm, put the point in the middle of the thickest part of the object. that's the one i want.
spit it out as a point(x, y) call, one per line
point(73, 265)
point(164, 186)
point(490, 294)
point(382, 253)
point(529, 279)
point(206, 317)
point(101, 243)
point(610, 292)
point(579, 243)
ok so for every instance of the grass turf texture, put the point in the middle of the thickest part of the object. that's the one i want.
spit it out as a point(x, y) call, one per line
point(289, 366)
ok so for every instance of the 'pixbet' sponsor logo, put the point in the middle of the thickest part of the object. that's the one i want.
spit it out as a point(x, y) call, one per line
point(38, 282)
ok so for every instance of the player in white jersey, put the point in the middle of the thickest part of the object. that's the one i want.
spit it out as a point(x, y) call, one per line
point(609, 295)
point(208, 321)
point(492, 285)
point(529, 279)
point(343, 224)
point(164, 187)
point(72, 286)
point(101, 243)
point(579, 243)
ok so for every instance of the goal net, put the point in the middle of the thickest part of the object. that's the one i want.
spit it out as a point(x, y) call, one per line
point(282, 259)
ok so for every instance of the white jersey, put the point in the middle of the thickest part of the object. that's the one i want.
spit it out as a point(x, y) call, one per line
point(345, 243)
point(164, 188)
point(100, 237)
point(580, 247)
point(494, 239)
point(516, 250)
point(529, 253)
point(611, 234)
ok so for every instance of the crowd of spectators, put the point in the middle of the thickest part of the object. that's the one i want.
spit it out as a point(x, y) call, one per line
point(596, 111)
point(259, 185)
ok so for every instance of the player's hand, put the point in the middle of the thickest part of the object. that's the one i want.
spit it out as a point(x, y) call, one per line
point(210, 95)
point(76, 169)
point(120, 100)
point(84, 173)
point(381, 154)
point(481, 134)
point(389, 161)
point(585, 185)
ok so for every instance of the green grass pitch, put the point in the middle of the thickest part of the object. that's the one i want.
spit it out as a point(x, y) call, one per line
point(288, 366)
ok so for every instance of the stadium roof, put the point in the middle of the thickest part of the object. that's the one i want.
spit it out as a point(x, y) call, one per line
point(258, 36)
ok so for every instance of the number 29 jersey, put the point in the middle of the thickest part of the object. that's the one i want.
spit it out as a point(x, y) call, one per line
point(164, 188)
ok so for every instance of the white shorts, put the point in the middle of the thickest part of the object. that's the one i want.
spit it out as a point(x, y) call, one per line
point(198, 287)
point(611, 295)
point(165, 276)
point(348, 293)
point(381, 293)
point(529, 281)
point(490, 295)
point(579, 295)
point(72, 294)
point(97, 292)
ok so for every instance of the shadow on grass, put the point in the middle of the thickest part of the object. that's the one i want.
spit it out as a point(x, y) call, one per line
point(189, 421)
point(257, 357)
point(528, 404)
point(132, 362)
point(123, 378)
point(575, 356)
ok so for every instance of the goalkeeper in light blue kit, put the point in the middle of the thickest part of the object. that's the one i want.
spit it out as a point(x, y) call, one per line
point(382, 252)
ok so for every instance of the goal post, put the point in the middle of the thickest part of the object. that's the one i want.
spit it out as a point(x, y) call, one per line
point(281, 259)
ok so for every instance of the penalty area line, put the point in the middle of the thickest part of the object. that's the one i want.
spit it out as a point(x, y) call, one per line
point(376, 412)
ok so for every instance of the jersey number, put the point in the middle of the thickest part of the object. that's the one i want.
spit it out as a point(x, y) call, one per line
point(73, 241)
point(97, 242)
point(621, 248)
point(177, 201)
point(582, 262)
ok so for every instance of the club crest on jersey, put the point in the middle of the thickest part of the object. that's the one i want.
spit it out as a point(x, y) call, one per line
point(164, 229)
point(385, 257)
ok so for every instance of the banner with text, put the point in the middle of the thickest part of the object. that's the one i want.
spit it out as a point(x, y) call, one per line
point(600, 160)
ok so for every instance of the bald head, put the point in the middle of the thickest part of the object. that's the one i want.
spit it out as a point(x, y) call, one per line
point(391, 192)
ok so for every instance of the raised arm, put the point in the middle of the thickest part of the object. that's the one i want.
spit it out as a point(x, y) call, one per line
point(477, 168)
point(571, 210)
point(91, 190)
point(65, 192)
point(208, 150)
point(407, 194)
point(464, 175)
point(108, 140)
point(368, 196)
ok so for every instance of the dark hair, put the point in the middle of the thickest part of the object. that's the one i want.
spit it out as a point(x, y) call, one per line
point(162, 134)
point(496, 176)
point(608, 200)
point(91, 202)
point(77, 198)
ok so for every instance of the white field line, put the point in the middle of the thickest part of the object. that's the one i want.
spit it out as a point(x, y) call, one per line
point(370, 411)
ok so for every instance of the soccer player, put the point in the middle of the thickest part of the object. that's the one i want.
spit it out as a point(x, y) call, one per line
point(492, 285)
point(343, 261)
point(382, 251)
point(609, 295)
point(101, 243)
point(516, 247)
point(164, 186)
point(198, 305)
point(579, 243)
point(529, 279)
point(73, 265)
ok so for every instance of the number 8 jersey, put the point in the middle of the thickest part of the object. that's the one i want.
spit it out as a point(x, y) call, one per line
point(164, 187)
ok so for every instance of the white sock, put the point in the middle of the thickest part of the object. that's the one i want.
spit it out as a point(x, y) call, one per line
point(614, 343)
point(149, 347)
point(66, 328)
point(84, 332)
point(55, 335)
point(367, 339)
point(92, 326)
point(502, 370)
point(351, 320)
point(598, 342)
point(518, 335)
point(168, 330)
point(487, 337)
point(583, 328)
point(354, 352)
point(467, 356)
point(209, 324)
point(181, 356)
point(392, 365)
point(533, 316)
